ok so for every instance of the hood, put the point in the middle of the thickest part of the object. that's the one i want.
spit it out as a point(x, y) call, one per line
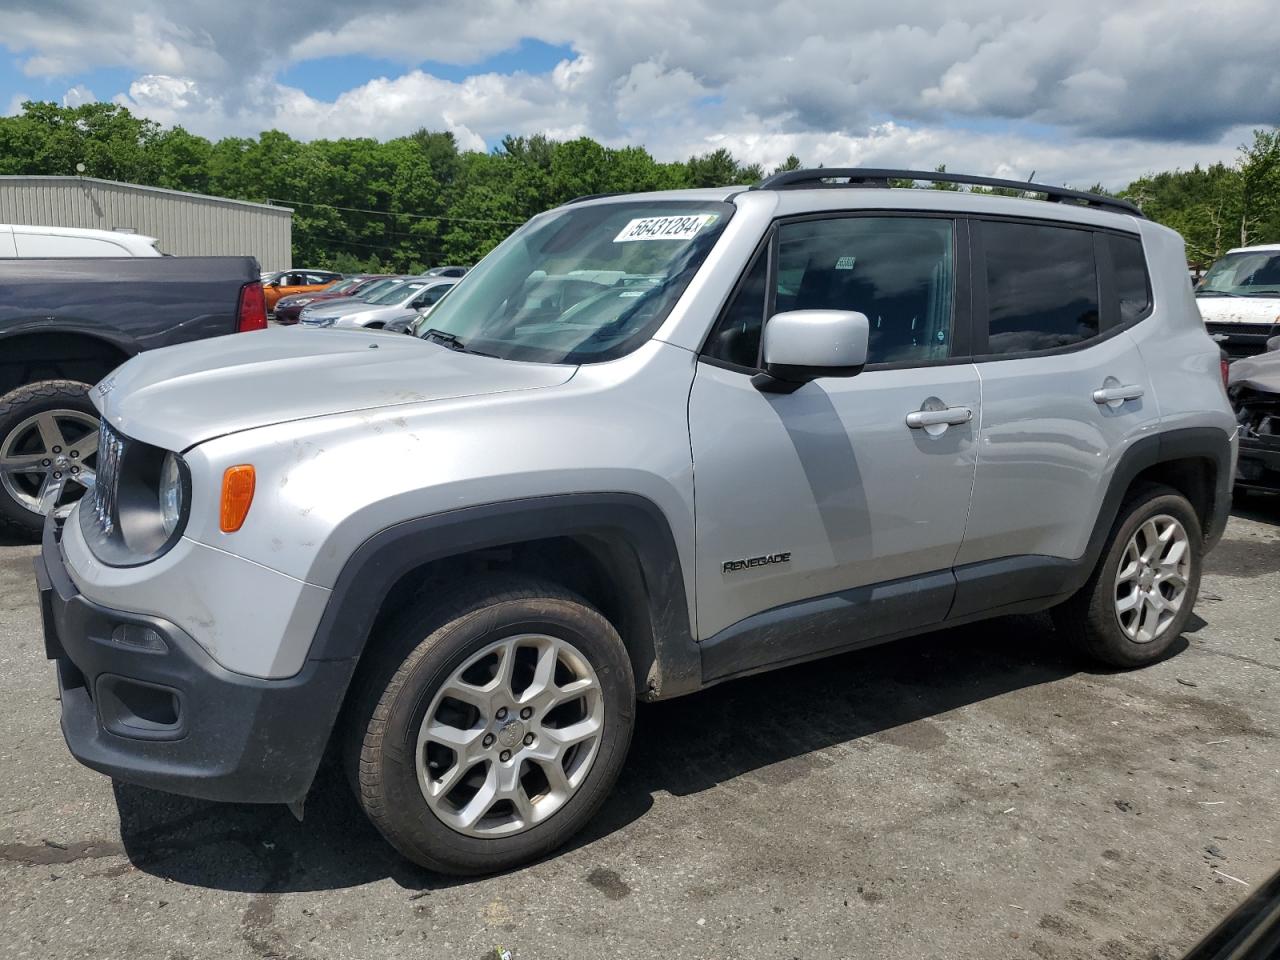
point(1261, 373)
point(180, 396)
point(328, 309)
point(1239, 309)
point(362, 318)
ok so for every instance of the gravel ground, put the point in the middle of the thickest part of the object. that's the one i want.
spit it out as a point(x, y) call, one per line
point(975, 793)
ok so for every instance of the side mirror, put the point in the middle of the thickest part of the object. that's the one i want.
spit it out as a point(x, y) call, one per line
point(802, 345)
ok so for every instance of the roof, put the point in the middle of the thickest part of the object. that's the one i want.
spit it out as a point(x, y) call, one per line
point(1260, 248)
point(204, 197)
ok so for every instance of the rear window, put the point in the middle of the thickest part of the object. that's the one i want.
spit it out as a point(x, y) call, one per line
point(1042, 286)
point(1133, 286)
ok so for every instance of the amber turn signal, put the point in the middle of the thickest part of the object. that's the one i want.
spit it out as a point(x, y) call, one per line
point(237, 496)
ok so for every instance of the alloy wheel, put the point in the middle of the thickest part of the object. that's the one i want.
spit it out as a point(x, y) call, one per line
point(1151, 582)
point(510, 736)
point(48, 461)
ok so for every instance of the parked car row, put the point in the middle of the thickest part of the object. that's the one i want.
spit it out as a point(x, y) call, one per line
point(287, 292)
point(391, 305)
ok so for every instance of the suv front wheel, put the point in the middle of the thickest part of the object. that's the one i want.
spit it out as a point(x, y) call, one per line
point(490, 726)
point(1139, 599)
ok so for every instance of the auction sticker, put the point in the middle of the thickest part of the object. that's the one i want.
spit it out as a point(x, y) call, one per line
point(665, 228)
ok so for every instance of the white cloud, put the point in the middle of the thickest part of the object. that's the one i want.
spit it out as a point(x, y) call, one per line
point(77, 96)
point(1084, 91)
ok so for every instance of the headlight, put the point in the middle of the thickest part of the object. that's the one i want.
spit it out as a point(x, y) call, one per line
point(170, 494)
point(141, 498)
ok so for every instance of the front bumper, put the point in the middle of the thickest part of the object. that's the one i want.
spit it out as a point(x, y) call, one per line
point(1258, 466)
point(144, 703)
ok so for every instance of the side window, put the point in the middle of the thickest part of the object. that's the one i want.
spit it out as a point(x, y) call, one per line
point(736, 338)
point(899, 271)
point(1042, 286)
point(55, 245)
point(1133, 286)
point(431, 296)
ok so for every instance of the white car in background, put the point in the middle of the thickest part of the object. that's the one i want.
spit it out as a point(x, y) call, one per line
point(1239, 299)
point(397, 303)
point(21, 241)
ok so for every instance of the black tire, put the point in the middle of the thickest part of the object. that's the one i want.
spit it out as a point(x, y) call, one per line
point(419, 651)
point(1089, 620)
point(19, 405)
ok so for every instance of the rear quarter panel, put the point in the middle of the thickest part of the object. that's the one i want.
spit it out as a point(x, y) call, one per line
point(1181, 358)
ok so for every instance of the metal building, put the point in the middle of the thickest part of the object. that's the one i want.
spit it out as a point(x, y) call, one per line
point(186, 224)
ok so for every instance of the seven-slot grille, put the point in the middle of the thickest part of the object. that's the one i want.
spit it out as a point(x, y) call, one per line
point(105, 487)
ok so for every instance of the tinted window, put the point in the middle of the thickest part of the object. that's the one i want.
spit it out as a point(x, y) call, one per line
point(1042, 286)
point(899, 271)
point(736, 338)
point(1132, 284)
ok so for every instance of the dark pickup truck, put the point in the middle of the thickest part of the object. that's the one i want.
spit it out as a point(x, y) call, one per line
point(64, 325)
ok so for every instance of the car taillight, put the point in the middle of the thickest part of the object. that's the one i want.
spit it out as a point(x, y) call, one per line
point(251, 314)
point(1225, 366)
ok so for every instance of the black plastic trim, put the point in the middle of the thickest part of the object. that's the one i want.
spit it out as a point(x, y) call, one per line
point(235, 738)
point(833, 623)
point(808, 629)
point(631, 532)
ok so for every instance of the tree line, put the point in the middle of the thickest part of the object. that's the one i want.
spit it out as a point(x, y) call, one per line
point(415, 201)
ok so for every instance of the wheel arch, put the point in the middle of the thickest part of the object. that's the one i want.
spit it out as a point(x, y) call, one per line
point(615, 549)
point(1195, 461)
point(45, 352)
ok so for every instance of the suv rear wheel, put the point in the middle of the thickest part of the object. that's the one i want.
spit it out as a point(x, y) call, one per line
point(48, 451)
point(489, 727)
point(1139, 599)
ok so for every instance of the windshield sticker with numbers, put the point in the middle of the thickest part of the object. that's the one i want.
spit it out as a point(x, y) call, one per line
point(665, 228)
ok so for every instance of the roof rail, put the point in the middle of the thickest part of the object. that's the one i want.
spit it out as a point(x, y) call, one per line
point(590, 196)
point(872, 177)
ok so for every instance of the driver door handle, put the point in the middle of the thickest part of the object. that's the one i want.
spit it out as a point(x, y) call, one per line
point(948, 416)
point(1131, 391)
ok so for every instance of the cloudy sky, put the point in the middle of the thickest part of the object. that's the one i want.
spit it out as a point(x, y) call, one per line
point(1082, 91)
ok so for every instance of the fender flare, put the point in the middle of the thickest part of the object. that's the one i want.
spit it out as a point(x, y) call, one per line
point(629, 532)
point(1187, 443)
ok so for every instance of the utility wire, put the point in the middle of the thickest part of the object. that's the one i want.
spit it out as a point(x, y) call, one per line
point(386, 213)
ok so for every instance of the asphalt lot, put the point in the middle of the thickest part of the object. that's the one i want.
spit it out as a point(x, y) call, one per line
point(975, 793)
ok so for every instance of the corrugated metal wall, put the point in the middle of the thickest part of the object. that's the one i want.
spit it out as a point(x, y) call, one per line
point(186, 224)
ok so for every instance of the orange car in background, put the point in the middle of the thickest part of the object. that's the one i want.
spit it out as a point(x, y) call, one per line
point(288, 282)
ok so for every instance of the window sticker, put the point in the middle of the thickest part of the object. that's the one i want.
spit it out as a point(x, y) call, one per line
point(665, 228)
point(846, 263)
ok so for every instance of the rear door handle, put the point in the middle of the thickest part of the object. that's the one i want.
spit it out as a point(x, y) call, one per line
point(1117, 394)
point(946, 417)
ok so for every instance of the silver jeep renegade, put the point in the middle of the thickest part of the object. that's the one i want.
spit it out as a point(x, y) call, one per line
point(652, 442)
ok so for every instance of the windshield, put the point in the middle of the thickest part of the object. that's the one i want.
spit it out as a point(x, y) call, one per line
point(579, 284)
point(377, 287)
point(398, 292)
point(343, 285)
point(1244, 274)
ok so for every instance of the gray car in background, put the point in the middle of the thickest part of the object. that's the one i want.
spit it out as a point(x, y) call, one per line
point(651, 443)
point(398, 302)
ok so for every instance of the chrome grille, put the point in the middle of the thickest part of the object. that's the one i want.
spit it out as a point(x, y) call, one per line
point(105, 486)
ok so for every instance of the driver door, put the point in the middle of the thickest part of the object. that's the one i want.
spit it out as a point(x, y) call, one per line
point(822, 510)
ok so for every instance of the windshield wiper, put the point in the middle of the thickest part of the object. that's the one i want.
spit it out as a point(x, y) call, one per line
point(1215, 293)
point(451, 341)
point(445, 339)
